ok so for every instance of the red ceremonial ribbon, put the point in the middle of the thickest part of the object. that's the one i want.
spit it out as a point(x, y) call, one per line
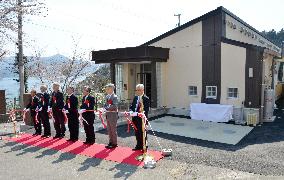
point(36, 119)
point(144, 118)
point(50, 115)
point(54, 99)
point(68, 103)
point(129, 122)
point(42, 99)
point(65, 117)
point(82, 119)
point(12, 115)
point(102, 119)
point(87, 102)
point(109, 102)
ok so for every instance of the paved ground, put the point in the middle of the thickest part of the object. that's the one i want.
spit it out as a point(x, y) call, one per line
point(259, 155)
point(25, 162)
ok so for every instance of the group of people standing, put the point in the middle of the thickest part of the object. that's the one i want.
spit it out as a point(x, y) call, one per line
point(43, 106)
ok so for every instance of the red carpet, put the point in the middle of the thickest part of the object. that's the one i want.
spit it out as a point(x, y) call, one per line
point(119, 154)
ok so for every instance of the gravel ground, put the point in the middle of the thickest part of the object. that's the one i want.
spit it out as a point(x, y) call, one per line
point(259, 155)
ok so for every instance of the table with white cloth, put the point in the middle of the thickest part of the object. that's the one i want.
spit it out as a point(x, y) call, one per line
point(211, 112)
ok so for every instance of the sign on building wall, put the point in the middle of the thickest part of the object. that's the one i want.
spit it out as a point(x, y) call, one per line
point(239, 32)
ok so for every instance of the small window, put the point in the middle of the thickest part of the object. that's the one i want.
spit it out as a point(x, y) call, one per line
point(192, 90)
point(232, 92)
point(211, 92)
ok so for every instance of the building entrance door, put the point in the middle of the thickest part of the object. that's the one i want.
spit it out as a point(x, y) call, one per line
point(145, 78)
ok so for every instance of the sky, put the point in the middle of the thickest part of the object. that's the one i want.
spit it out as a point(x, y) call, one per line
point(107, 24)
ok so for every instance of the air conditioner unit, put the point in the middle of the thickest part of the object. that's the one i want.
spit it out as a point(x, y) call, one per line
point(251, 116)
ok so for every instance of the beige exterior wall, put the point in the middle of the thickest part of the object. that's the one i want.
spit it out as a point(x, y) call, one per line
point(184, 67)
point(159, 84)
point(163, 91)
point(233, 63)
point(233, 31)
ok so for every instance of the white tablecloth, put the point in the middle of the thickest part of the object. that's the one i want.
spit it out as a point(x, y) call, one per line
point(211, 112)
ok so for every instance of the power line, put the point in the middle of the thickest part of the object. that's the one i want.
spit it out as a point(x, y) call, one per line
point(103, 25)
point(73, 32)
point(129, 12)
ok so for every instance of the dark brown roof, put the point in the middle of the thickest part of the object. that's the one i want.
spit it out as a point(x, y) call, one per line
point(131, 54)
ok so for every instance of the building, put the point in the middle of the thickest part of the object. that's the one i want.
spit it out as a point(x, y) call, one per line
point(215, 58)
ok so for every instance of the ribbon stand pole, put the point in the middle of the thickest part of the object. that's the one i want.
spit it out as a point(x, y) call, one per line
point(12, 117)
point(146, 158)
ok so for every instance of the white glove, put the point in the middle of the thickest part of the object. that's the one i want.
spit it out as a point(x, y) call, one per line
point(40, 109)
point(103, 110)
point(133, 113)
point(82, 111)
point(26, 110)
point(48, 109)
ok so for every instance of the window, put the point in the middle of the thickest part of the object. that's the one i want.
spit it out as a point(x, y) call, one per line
point(211, 92)
point(192, 90)
point(232, 92)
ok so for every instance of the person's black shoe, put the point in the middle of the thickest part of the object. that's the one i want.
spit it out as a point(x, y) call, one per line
point(35, 134)
point(70, 140)
point(46, 135)
point(112, 146)
point(56, 136)
point(137, 148)
point(91, 142)
point(107, 146)
point(86, 142)
point(74, 140)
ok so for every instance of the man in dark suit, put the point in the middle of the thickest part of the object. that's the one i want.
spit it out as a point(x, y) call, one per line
point(33, 106)
point(140, 104)
point(71, 110)
point(43, 114)
point(88, 103)
point(57, 104)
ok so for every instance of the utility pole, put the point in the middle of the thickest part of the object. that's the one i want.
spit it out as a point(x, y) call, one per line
point(20, 48)
point(178, 15)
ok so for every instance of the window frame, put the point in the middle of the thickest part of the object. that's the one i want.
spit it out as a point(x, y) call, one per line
point(190, 90)
point(207, 90)
point(228, 92)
